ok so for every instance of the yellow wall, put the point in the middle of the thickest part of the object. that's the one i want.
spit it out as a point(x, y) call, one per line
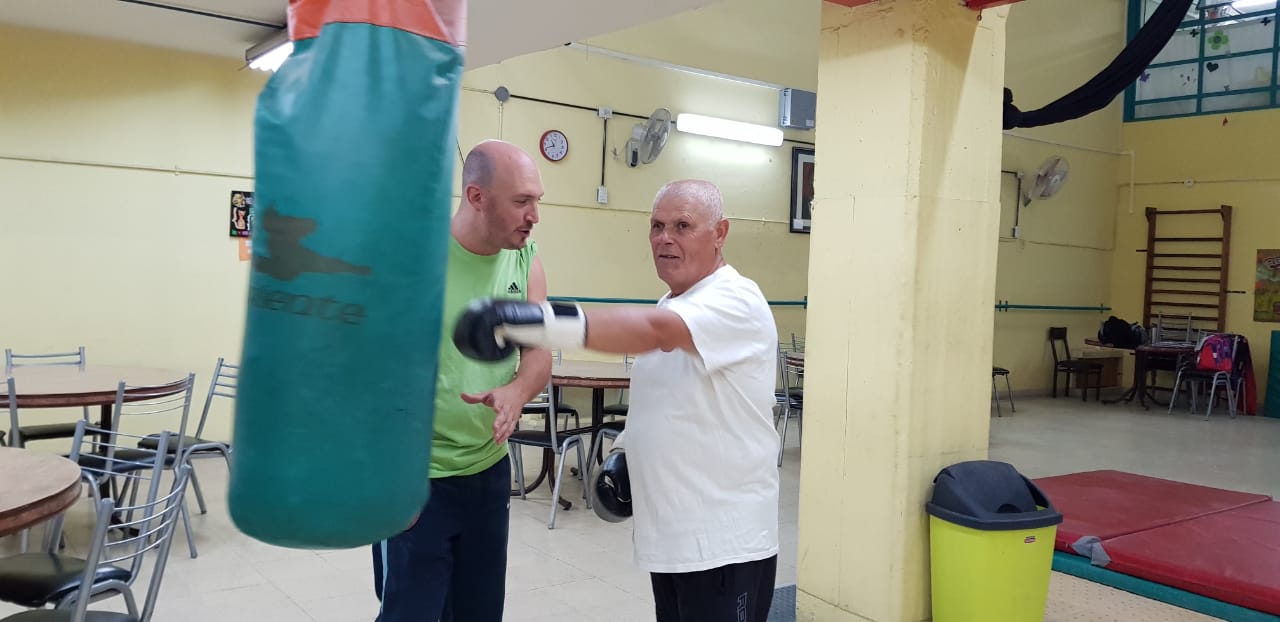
point(1063, 253)
point(91, 132)
point(1230, 165)
point(117, 254)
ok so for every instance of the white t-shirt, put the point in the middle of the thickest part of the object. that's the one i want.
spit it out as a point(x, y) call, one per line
point(701, 447)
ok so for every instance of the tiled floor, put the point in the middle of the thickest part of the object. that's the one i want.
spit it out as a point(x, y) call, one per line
point(582, 571)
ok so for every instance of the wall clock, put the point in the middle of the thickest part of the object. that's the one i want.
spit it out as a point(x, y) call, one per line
point(554, 145)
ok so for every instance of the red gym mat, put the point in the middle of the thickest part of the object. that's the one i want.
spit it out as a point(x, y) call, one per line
point(1108, 503)
point(1232, 556)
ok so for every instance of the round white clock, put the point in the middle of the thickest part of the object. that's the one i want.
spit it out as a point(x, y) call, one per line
point(554, 145)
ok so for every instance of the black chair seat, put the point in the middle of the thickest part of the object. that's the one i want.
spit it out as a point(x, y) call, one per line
point(535, 409)
point(534, 438)
point(152, 442)
point(616, 426)
point(37, 579)
point(999, 371)
point(65, 615)
point(126, 461)
point(47, 431)
point(615, 410)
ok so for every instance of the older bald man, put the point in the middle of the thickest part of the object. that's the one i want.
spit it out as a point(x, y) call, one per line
point(700, 442)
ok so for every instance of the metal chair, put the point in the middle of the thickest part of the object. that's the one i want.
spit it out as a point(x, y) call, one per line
point(619, 408)
point(1000, 371)
point(1073, 367)
point(545, 439)
point(132, 401)
point(113, 563)
point(226, 378)
point(541, 403)
point(791, 364)
point(1232, 380)
point(19, 435)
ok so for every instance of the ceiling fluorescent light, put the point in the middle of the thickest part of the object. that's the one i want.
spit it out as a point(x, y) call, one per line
point(1245, 4)
point(271, 53)
point(732, 130)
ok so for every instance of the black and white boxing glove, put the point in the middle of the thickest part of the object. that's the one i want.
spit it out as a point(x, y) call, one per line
point(491, 330)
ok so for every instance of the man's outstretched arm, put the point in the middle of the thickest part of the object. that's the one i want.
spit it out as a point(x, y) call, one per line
point(491, 329)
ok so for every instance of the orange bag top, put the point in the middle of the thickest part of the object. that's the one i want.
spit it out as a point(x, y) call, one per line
point(443, 20)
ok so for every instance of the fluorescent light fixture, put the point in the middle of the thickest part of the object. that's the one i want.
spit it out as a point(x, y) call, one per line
point(1245, 4)
point(271, 53)
point(732, 130)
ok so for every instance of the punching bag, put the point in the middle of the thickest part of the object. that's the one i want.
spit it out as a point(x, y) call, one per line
point(354, 151)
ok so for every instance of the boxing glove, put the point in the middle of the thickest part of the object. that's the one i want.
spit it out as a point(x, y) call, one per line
point(490, 330)
point(610, 487)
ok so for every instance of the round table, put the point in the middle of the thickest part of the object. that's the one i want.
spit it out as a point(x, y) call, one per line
point(48, 485)
point(60, 386)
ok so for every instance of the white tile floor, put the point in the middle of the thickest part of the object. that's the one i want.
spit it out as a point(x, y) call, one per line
point(582, 571)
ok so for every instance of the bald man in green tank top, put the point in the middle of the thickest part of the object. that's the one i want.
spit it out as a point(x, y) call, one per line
point(451, 564)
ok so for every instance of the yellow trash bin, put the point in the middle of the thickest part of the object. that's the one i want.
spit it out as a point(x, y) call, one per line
point(991, 533)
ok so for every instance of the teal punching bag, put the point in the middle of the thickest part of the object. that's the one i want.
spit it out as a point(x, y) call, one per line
point(354, 147)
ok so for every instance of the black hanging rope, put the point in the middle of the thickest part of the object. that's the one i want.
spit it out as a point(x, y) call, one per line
point(1098, 92)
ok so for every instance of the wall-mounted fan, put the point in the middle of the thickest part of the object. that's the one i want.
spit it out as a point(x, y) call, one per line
point(648, 138)
point(1048, 180)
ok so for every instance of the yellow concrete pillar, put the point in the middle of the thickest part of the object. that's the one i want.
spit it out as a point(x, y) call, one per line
point(901, 293)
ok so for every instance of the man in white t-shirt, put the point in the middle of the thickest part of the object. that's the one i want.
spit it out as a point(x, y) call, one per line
point(700, 442)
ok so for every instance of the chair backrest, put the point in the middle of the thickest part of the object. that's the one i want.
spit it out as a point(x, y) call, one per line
point(148, 525)
point(793, 371)
point(225, 382)
point(797, 343)
point(168, 400)
point(12, 359)
point(1177, 330)
point(11, 395)
point(1059, 334)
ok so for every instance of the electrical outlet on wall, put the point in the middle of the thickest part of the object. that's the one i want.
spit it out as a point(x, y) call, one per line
point(602, 195)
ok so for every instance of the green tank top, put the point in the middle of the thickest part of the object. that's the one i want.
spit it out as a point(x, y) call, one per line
point(462, 443)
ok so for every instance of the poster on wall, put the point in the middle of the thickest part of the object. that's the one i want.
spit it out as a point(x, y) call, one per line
point(1266, 289)
point(241, 213)
point(801, 189)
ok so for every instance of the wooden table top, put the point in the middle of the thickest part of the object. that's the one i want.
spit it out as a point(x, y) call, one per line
point(56, 386)
point(35, 487)
point(590, 374)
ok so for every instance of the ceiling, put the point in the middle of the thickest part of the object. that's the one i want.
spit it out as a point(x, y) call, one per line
point(497, 29)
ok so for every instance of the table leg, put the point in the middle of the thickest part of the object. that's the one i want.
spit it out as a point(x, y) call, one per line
point(1132, 392)
point(597, 420)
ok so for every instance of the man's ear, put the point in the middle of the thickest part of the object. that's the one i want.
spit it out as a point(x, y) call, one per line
point(474, 194)
point(722, 232)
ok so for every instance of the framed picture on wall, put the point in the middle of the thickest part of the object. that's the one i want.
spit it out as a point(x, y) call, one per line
point(1266, 287)
point(801, 189)
point(241, 213)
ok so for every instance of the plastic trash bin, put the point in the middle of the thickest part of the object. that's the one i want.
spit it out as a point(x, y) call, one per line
point(991, 534)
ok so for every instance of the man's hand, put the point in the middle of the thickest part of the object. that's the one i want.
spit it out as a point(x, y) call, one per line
point(506, 402)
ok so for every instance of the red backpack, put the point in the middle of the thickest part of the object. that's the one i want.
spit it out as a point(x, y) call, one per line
point(1215, 353)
